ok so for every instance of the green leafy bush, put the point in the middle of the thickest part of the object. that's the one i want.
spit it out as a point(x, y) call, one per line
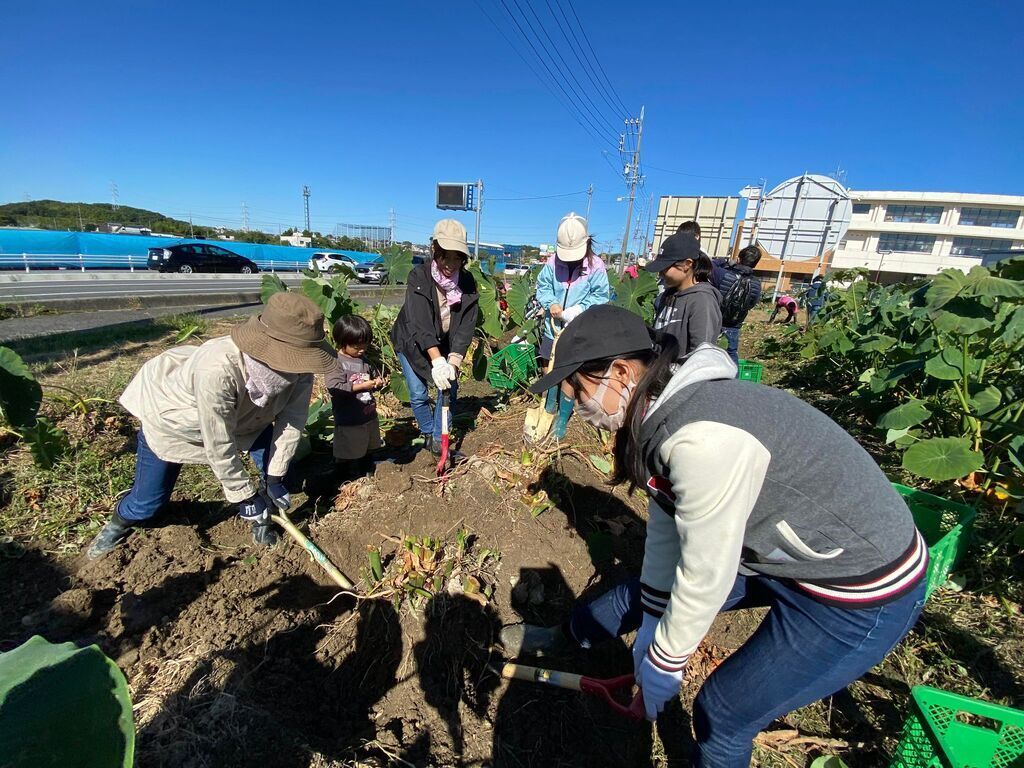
point(20, 398)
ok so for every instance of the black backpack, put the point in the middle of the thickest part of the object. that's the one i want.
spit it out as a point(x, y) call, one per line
point(738, 301)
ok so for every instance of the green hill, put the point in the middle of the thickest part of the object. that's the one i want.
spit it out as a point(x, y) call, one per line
point(54, 214)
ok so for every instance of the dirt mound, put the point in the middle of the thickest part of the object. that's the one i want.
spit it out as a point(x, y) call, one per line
point(235, 654)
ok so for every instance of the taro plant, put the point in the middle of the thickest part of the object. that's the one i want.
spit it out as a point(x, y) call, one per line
point(20, 398)
point(938, 367)
point(635, 294)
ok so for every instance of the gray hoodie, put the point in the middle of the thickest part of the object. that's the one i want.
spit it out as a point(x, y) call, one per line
point(693, 316)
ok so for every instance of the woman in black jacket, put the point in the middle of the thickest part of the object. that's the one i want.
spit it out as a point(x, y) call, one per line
point(436, 324)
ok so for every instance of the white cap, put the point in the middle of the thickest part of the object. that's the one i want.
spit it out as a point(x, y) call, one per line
point(572, 239)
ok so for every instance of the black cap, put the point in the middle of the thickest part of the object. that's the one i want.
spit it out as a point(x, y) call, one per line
point(600, 332)
point(679, 247)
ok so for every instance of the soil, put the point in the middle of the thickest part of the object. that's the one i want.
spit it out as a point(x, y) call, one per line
point(234, 653)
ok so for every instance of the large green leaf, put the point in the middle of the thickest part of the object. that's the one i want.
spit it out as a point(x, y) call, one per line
point(490, 312)
point(270, 284)
point(20, 393)
point(909, 414)
point(985, 400)
point(981, 282)
point(877, 342)
point(520, 290)
point(948, 365)
point(64, 706)
point(942, 458)
point(46, 441)
point(1013, 330)
point(945, 287)
point(480, 360)
point(635, 294)
point(1011, 269)
point(397, 264)
point(964, 316)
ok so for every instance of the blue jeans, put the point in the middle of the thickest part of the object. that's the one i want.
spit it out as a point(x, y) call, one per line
point(155, 478)
point(427, 417)
point(733, 335)
point(803, 651)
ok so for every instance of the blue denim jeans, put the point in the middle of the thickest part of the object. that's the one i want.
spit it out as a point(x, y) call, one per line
point(427, 417)
point(733, 335)
point(803, 651)
point(155, 478)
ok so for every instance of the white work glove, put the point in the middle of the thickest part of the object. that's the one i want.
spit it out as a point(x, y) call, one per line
point(571, 313)
point(644, 638)
point(657, 686)
point(443, 373)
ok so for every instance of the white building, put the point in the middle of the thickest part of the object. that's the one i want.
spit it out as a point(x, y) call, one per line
point(900, 235)
point(297, 239)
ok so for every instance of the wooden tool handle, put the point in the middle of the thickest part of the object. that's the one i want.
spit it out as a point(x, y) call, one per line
point(566, 680)
point(314, 551)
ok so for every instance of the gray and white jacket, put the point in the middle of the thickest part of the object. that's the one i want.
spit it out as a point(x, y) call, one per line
point(733, 490)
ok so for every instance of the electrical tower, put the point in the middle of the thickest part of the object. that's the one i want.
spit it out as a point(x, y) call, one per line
point(245, 217)
point(391, 223)
point(631, 171)
point(113, 195)
point(305, 200)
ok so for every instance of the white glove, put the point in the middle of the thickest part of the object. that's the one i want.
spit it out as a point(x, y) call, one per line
point(443, 373)
point(571, 313)
point(644, 638)
point(658, 686)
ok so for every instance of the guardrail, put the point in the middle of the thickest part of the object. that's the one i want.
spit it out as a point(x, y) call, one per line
point(82, 262)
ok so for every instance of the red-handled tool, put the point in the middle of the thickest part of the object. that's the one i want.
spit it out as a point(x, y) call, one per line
point(606, 689)
point(442, 464)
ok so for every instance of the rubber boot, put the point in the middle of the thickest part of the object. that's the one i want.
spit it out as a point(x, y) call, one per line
point(529, 638)
point(552, 398)
point(264, 533)
point(565, 406)
point(113, 533)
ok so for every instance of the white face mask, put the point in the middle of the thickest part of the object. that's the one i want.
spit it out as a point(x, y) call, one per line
point(592, 411)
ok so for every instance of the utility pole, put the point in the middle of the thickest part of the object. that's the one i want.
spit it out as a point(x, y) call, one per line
point(590, 194)
point(391, 224)
point(245, 217)
point(305, 200)
point(113, 195)
point(191, 231)
point(81, 227)
point(479, 210)
point(632, 173)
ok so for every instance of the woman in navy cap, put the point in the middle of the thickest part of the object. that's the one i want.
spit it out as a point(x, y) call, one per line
point(843, 571)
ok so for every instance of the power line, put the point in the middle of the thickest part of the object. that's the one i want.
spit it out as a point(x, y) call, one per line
point(575, 111)
point(596, 59)
point(592, 108)
point(540, 197)
point(699, 176)
point(575, 46)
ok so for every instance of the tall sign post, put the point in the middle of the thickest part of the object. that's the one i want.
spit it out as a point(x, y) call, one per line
point(463, 196)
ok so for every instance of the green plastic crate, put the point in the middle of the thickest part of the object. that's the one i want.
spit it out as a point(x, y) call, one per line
point(945, 526)
point(750, 371)
point(944, 730)
point(512, 366)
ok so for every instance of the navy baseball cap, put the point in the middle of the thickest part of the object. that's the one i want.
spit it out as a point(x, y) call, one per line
point(679, 247)
point(600, 332)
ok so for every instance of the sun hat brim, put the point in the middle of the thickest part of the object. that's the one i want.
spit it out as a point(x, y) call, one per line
point(572, 253)
point(251, 338)
point(453, 244)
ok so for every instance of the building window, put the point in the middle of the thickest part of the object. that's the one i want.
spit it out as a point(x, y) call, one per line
point(976, 246)
point(905, 243)
point(862, 208)
point(914, 214)
point(1004, 218)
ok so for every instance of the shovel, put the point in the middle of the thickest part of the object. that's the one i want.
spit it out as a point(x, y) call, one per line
point(282, 519)
point(605, 689)
point(538, 421)
point(442, 464)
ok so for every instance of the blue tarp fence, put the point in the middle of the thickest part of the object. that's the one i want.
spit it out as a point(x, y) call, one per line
point(94, 246)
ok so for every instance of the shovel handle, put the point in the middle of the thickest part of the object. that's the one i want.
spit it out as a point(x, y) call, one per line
point(605, 689)
point(315, 552)
point(566, 680)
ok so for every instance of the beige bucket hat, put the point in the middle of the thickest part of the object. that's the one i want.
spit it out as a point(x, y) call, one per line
point(451, 235)
point(287, 336)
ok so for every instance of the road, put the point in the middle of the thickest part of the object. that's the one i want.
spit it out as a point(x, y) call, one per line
point(83, 286)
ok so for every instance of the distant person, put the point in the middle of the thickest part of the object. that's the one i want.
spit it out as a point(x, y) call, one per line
point(787, 303)
point(741, 291)
point(351, 384)
point(436, 325)
point(574, 279)
point(689, 307)
point(814, 297)
point(633, 271)
point(248, 391)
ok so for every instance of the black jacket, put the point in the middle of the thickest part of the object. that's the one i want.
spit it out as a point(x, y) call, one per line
point(693, 316)
point(418, 327)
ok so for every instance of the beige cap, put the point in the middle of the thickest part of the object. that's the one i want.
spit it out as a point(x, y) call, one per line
point(288, 336)
point(572, 239)
point(451, 235)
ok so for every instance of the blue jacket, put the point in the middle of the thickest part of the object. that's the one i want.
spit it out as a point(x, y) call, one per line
point(588, 288)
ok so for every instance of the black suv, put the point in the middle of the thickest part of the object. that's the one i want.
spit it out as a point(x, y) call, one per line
point(199, 257)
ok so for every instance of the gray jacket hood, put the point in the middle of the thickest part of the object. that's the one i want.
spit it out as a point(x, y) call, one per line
point(705, 363)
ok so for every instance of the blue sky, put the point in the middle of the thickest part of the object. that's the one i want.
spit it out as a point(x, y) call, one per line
point(196, 107)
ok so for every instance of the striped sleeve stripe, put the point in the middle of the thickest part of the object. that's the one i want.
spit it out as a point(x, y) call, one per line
point(905, 574)
point(666, 661)
point(653, 601)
